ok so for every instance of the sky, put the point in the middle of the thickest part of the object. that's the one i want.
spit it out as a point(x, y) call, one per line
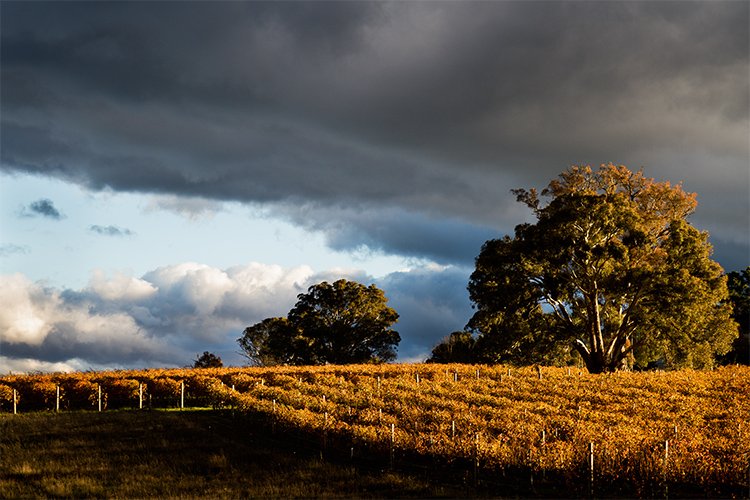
point(173, 172)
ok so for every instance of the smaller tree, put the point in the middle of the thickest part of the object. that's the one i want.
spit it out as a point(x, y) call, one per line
point(208, 360)
point(738, 283)
point(458, 347)
point(339, 323)
point(274, 341)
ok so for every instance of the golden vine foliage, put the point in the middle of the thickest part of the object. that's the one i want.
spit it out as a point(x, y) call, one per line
point(539, 419)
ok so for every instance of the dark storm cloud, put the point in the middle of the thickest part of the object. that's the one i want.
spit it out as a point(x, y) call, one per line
point(44, 208)
point(431, 304)
point(394, 231)
point(110, 230)
point(733, 256)
point(435, 109)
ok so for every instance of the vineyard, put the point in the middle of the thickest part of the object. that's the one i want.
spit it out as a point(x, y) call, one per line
point(632, 433)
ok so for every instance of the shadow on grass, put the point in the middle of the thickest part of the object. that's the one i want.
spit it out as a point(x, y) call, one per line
point(136, 454)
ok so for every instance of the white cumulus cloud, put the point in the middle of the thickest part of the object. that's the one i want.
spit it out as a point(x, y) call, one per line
point(27, 310)
point(120, 287)
point(171, 313)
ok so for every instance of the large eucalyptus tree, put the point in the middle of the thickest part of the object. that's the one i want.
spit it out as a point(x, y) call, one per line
point(611, 269)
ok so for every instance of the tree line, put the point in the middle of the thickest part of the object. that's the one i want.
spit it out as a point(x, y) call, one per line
point(612, 275)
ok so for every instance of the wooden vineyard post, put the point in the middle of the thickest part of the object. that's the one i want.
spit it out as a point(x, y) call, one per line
point(99, 395)
point(57, 398)
point(15, 402)
point(453, 429)
point(273, 420)
point(417, 378)
point(182, 394)
point(455, 376)
point(539, 458)
point(476, 458)
point(393, 442)
point(666, 465)
point(591, 469)
point(140, 395)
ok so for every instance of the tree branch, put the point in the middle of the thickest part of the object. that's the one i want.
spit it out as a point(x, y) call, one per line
point(559, 309)
point(581, 348)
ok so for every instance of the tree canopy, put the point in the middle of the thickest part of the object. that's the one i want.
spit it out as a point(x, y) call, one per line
point(458, 347)
point(208, 360)
point(739, 296)
point(339, 323)
point(611, 269)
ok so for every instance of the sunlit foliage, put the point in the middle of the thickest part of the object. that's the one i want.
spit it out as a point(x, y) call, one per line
point(338, 323)
point(612, 269)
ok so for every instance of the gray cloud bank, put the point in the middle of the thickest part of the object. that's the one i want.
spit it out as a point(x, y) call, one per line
point(343, 116)
point(172, 313)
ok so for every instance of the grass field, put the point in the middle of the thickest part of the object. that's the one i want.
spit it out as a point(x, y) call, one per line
point(162, 454)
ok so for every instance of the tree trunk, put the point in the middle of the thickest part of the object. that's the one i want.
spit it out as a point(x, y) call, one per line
point(597, 363)
point(596, 360)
